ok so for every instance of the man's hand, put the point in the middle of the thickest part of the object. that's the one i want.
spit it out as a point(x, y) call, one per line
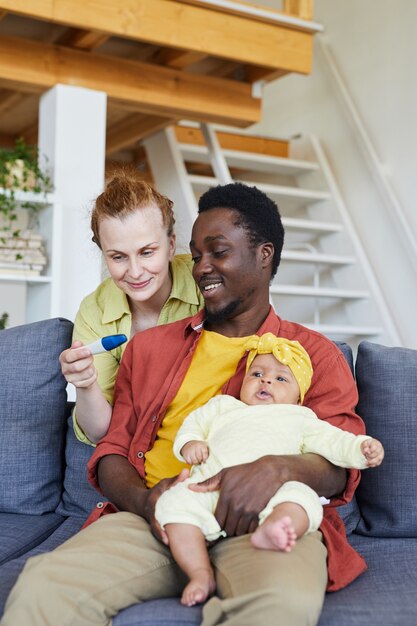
point(244, 492)
point(246, 489)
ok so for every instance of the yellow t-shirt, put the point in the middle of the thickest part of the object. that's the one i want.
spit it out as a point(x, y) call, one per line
point(214, 363)
point(106, 312)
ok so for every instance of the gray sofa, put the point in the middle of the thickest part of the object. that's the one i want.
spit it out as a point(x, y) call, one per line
point(45, 498)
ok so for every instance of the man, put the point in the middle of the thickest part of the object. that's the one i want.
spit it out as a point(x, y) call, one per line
point(166, 372)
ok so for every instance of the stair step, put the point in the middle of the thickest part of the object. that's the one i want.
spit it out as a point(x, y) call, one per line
point(250, 161)
point(316, 257)
point(309, 226)
point(347, 331)
point(294, 197)
point(318, 292)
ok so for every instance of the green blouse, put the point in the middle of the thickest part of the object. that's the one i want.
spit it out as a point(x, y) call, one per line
point(106, 312)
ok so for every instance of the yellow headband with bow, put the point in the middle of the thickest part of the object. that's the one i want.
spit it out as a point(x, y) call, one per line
point(290, 353)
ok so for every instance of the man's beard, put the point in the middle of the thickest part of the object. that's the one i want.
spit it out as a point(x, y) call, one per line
point(216, 317)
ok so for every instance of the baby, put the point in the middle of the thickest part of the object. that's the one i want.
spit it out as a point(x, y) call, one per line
point(268, 419)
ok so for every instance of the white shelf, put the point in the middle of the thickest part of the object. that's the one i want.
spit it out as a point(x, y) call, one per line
point(21, 278)
point(34, 297)
point(29, 196)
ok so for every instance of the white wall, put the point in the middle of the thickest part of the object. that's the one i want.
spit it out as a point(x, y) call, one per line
point(374, 44)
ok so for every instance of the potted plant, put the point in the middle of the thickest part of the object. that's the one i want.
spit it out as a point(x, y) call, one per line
point(3, 321)
point(19, 171)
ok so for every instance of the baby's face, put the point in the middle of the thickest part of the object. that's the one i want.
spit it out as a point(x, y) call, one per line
point(268, 381)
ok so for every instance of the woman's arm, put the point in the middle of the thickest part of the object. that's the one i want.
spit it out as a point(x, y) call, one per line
point(92, 408)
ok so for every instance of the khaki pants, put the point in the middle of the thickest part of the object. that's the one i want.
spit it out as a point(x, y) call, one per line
point(116, 562)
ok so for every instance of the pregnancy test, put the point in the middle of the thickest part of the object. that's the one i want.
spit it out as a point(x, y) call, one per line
point(106, 343)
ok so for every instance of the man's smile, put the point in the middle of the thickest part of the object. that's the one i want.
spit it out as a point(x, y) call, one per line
point(209, 287)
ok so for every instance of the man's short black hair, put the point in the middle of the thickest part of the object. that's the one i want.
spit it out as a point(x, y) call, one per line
point(259, 215)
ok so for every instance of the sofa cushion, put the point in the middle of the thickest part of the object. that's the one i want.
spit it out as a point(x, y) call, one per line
point(387, 383)
point(347, 353)
point(385, 594)
point(350, 515)
point(10, 571)
point(32, 416)
point(20, 533)
point(79, 497)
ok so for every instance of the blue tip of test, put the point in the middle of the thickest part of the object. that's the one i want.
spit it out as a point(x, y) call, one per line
point(113, 341)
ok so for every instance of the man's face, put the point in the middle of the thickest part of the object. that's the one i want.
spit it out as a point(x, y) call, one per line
point(227, 268)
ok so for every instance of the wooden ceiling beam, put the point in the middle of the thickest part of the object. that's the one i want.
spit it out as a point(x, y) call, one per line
point(82, 39)
point(138, 86)
point(172, 23)
point(178, 59)
point(221, 68)
point(252, 74)
point(300, 12)
point(132, 129)
point(9, 99)
point(299, 8)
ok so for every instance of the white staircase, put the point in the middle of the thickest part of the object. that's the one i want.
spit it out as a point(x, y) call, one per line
point(324, 280)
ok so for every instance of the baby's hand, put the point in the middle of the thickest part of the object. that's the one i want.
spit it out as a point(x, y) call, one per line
point(373, 451)
point(195, 452)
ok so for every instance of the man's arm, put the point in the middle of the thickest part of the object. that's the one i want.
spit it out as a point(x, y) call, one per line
point(122, 485)
point(241, 498)
point(109, 468)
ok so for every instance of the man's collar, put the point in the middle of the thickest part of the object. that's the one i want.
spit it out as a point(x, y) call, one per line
point(194, 323)
point(271, 324)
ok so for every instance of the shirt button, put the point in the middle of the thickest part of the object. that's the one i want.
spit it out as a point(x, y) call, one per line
point(100, 505)
point(140, 455)
point(154, 418)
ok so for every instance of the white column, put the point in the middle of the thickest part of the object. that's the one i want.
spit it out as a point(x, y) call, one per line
point(72, 135)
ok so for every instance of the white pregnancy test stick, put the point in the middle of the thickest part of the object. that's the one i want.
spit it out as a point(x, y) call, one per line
point(106, 343)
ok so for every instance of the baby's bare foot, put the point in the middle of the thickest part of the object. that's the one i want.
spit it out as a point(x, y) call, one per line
point(201, 585)
point(275, 535)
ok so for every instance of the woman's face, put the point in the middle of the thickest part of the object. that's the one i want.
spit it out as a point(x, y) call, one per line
point(137, 251)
